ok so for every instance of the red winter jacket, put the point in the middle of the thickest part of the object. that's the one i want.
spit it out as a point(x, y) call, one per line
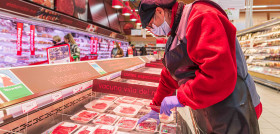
point(211, 45)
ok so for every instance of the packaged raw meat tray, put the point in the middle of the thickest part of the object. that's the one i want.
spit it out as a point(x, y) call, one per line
point(167, 129)
point(62, 128)
point(127, 99)
point(106, 119)
point(105, 129)
point(119, 101)
point(98, 105)
point(132, 81)
point(127, 110)
point(127, 124)
point(86, 130)
point(84, 116)
point(108, 98)
point(147, 126)
point(166, 119)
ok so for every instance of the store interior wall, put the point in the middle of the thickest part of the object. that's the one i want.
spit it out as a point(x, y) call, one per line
point(258, 18)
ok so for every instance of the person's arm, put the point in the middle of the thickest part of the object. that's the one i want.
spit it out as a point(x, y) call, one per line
point(167, 86)
point(121, 53)
point(211, 45)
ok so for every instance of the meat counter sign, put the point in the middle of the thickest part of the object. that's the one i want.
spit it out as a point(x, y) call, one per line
point(32, 42)
point(58, 54)
point(11, 87)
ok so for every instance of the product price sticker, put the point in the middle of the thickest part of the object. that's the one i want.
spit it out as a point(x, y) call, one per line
point(56, 96)
point(29, 106)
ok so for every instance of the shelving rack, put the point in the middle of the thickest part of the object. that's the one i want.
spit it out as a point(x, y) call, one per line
point(261, 47)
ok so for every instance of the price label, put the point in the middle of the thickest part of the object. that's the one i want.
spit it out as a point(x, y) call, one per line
point(29, 106)
point(57, 96)
point(76, 89)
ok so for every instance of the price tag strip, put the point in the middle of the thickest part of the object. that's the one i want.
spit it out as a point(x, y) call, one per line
point(29, 106)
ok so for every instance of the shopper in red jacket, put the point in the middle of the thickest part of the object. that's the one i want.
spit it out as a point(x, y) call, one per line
point(204, 63)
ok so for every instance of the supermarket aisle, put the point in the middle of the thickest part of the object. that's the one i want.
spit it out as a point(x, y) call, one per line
point(270, 119)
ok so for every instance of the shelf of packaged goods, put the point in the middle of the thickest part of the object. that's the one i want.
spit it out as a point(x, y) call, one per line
point(265, 78)
point(264, 54)
point(262, 47)
point(267, 61)
point(267, 34)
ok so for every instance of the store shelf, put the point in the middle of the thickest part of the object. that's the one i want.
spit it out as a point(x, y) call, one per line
point(270, 80)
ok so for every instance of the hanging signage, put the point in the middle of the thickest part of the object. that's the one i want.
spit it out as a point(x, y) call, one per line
point(129, 51)
point(19, 38)
point(92, 45)
point(32, 39)
point(95, 45)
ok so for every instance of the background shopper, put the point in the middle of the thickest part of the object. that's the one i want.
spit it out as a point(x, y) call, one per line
point(206, 66)
point(143, 50)
point(134, 50)
point(117, 52)
point(56, 40)
point(74, 48)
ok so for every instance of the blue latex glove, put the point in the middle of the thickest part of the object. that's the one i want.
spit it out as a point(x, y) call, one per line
point(153, 114)
point(168, 103)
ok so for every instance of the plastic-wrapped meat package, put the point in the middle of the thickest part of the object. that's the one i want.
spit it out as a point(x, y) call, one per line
point(138, 102)
point(167, 129)
point(106, 119)
point(65, 128)
point(127, 124)
point(127, 110)
point(105, 129)
point(108, 98)
point(127, 99)
point(119, 101)
point(84, 116)
point(85, 130)
point(98, 106)
point(132, 81)
point(166, 119)
point(147, 126)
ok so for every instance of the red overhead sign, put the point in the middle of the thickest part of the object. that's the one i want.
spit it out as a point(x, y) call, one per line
point(19, 38)
point(32, 39)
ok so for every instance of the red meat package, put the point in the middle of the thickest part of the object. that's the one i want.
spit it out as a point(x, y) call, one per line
point(63, 128)
point(128, 99)
point(98, 105)
point(127, 110)
point(166, 119)
point(127, 124)
point(105, 129)
point(147, 126)
point(167, 129)
point(106, 119)
point(108, 98)
point(85, 130)
point(84, 116)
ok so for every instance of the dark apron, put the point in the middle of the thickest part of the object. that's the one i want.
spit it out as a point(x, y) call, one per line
point(234, 115)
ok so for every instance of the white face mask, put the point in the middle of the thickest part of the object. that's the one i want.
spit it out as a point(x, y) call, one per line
point(163, 29)
point(115, 46)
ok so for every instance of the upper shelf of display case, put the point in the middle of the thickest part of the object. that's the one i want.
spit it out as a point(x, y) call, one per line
point(21, 84)
point(263, 26)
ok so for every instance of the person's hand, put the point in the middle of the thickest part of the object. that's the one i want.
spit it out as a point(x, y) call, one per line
point(168, 103)
point(117, 56)
point(153, 114)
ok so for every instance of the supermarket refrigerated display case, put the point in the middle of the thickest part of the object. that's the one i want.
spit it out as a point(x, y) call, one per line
point(63, 99)
point(261, 47)
point(43, 33)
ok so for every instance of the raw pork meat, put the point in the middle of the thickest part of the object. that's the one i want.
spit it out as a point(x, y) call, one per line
point(168, 128)
point(128, 110)
point(61, 129)
point(84, 132)
point(99, 106)
point(85, 116)
point(106, 119)
point(105, 129)
point(147, 125)
point(108, 98)
point(127, 123)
